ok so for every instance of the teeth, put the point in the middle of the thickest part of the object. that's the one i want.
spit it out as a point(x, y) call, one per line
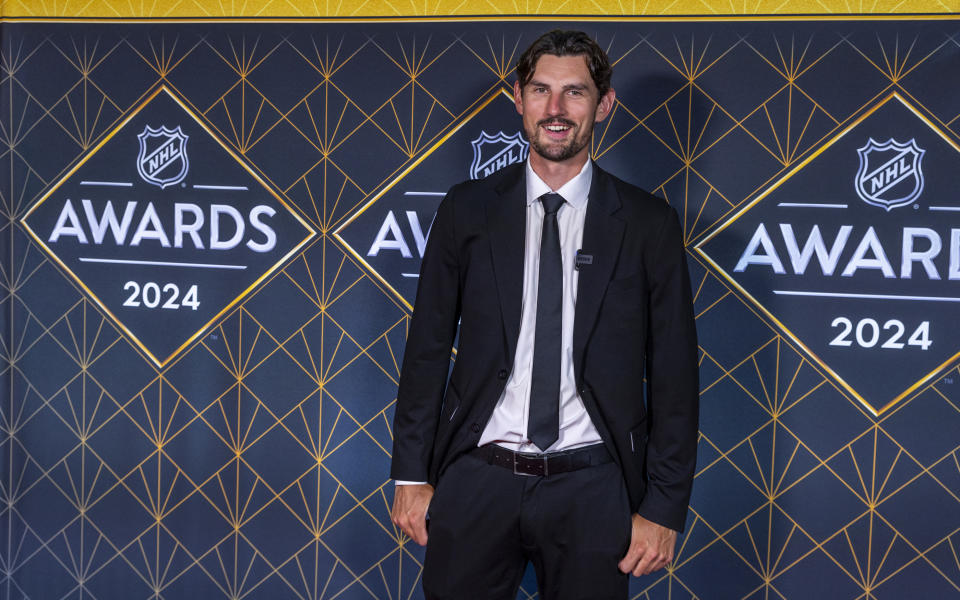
point(557, 128)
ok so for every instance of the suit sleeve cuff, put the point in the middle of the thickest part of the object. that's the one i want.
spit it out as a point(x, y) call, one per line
point(404, 482)
point(663, 514)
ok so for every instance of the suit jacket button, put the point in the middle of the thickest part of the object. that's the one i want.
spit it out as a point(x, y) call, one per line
point(502, 374)
point(475, 428)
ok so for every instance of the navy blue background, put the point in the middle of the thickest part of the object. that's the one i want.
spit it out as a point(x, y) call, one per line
point(255, 463)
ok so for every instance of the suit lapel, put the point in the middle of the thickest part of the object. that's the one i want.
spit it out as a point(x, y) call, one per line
point(602, 237)
point(506, 224)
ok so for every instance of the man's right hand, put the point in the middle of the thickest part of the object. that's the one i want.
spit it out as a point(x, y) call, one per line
point(410, 503)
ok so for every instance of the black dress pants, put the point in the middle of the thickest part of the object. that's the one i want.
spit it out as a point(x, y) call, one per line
point(486, 523)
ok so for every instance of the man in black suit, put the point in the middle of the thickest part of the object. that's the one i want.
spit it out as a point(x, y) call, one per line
point(569, 288)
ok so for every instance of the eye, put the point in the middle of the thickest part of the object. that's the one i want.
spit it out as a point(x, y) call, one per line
point(575, 92)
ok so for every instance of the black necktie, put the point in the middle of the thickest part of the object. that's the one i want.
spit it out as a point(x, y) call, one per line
point(544, 426)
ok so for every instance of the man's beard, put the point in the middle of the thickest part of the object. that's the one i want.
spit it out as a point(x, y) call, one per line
point(553, 151)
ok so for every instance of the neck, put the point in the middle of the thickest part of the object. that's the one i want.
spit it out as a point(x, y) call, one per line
point(556, 174)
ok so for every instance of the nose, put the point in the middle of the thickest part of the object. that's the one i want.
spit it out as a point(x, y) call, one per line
point(555, 105)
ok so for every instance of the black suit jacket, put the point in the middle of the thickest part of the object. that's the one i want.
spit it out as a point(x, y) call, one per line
point(634, 320)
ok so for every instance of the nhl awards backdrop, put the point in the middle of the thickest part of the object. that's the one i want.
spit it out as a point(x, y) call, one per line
point(211, 245)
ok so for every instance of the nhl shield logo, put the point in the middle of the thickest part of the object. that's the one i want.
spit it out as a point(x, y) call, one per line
point(163, 156)
point(493, 152)
point(890, 174)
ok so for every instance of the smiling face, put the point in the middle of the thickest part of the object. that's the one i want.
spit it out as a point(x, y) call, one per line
point(560, 105)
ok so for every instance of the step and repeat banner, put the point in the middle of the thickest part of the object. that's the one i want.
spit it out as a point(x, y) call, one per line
point(211, 246)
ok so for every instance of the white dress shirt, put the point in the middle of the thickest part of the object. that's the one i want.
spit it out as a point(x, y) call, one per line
point(507, 426)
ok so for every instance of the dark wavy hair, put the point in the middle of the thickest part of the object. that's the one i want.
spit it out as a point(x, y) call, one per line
point(560, 42)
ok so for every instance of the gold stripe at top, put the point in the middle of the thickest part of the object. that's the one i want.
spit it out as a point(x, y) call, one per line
point(274, 9)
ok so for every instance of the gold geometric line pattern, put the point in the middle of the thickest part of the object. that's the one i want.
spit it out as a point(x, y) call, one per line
point(321, 423)
point(219, 9)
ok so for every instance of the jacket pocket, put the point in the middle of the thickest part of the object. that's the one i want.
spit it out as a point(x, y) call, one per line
point(451, 403)
point(625, 301)
point(638, 439)
point(629, 282)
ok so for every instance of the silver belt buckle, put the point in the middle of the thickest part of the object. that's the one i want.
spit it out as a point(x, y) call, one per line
point(529, 466)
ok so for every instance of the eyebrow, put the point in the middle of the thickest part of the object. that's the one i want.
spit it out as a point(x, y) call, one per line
point(569, 86)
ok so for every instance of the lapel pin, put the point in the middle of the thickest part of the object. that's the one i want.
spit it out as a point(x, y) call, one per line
point(583, 259)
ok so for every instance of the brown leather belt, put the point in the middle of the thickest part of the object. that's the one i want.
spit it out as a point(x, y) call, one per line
point(542, 465)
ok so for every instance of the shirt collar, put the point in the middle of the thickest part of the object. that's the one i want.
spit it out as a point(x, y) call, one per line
point(574, 191)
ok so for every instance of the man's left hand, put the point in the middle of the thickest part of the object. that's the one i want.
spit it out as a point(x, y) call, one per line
point(651, 547)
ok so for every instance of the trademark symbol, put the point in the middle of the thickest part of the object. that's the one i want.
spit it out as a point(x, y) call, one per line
point(214, 336)
point(948, 380)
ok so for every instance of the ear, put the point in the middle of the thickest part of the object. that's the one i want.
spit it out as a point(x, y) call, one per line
point(605, 106)
point(518, 96)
